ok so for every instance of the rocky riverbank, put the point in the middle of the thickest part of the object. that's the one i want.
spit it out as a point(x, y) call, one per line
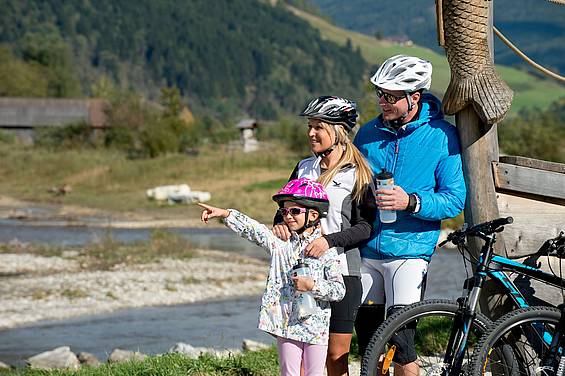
point(35, 287)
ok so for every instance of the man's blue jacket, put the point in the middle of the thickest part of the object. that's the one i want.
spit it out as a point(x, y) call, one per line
point(425, 158)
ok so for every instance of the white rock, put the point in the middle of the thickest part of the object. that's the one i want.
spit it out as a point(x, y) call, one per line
point(165, 191)
point(251, 345)
point(186, 349)
point(119, 356)
point(59, 358)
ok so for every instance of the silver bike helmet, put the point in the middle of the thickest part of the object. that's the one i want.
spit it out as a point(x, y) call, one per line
point(404, 73)
point(333, 110)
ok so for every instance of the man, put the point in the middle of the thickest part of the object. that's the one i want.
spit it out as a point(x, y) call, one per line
point(411, 140)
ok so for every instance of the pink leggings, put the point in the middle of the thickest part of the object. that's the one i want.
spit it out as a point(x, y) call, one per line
point(292, 353)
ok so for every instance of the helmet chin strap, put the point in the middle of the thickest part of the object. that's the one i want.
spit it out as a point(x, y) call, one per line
point(326, 152)
point(307, 224)
point(397, 123)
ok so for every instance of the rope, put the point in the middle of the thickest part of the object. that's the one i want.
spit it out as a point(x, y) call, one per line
point(526, 58)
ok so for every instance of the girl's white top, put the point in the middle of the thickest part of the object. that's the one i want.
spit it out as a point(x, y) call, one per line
point(277, 315)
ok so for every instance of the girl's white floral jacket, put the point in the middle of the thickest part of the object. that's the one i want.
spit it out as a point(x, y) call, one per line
point(277, 315)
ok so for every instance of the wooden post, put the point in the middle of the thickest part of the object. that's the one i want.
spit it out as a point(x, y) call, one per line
point(479, 144)
point(479, 149)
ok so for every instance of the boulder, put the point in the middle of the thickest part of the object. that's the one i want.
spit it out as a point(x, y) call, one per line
point(177, 194)
point(59, 358)
point(251, 345)
point(4, 366)
point(88, 359)
point(120, 356)
point(186, 349)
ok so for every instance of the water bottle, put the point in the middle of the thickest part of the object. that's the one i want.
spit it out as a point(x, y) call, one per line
point(304, 300)
point(386, 181)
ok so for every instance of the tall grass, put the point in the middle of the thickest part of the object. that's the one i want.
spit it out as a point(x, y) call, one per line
point(259, 363)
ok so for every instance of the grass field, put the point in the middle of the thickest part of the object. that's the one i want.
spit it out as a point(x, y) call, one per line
point(107, 180)
point(529, 90)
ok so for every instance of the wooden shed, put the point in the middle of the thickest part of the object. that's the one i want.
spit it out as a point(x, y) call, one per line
point(23, 115)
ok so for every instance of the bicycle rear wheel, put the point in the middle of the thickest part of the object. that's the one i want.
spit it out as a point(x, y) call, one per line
point(527, 333)
point(432, 321)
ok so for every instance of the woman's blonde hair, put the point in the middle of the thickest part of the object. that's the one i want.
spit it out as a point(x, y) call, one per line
point(351, 155)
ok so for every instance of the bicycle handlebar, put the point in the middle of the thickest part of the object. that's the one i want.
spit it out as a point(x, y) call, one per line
point(554, 246)
point(482, 229)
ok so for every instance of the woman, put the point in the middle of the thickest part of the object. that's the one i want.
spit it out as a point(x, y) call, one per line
point(346, 176)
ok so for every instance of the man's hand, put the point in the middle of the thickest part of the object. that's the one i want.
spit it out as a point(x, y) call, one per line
point(392, 199)
point(210, 212)
point(317, 248)
point(281, 231)
point(302, 283)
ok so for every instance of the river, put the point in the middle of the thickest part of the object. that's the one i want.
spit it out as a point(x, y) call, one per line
point(217, 324)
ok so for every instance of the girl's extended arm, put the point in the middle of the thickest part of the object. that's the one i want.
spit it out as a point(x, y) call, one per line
point(242, 225)
point(210, 212)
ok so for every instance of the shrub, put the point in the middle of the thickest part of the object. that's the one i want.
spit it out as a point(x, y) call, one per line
point(71, 136)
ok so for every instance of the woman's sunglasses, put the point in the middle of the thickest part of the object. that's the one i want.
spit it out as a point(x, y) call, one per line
point(392, 99)
point(292, 211)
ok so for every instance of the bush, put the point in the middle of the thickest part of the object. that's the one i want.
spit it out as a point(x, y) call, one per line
point(7, 138)
point(72, 136)
point(291, 131)
point(535, 133)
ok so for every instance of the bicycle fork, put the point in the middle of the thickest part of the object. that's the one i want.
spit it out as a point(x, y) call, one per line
point(463, 321)
point(466, 313)
point(554, 360)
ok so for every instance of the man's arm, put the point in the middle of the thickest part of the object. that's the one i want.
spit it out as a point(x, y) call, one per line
point(449, 198)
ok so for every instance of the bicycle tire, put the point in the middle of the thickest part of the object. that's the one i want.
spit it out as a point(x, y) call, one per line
point(514, 330)
point(428, 315)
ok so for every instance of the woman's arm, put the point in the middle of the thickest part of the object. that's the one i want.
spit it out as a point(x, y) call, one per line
point(280, 229)
point(362, 218)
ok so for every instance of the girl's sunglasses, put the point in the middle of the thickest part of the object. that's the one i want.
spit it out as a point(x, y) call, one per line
point(292, 211)
point(392, 99)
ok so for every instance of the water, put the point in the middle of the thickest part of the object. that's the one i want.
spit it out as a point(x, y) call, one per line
point(208, 238)
point(152, 330)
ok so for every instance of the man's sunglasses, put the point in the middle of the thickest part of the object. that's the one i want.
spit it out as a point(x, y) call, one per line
point(392, 99)
point(292, 211)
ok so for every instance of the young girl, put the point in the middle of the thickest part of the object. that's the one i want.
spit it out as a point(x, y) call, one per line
point(302, 203)
point(346, 176)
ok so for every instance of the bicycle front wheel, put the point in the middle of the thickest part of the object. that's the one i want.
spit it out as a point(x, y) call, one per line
point(431, 323)
point(527, 333)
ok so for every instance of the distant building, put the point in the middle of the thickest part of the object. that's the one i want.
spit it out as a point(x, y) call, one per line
point(23, 115)
point(248, 129)
point(402, 41)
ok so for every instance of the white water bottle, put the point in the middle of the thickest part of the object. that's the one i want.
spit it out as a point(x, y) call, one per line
point(304, 300)
point(386, 181)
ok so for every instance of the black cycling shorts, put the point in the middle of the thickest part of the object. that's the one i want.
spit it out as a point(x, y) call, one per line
point(345, 311)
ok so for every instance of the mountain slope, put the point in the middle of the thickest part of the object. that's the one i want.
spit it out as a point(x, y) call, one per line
point(230, 53)
point(530, 91)
point(535, 26)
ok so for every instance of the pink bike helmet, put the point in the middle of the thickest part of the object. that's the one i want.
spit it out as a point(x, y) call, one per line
point(305, 192)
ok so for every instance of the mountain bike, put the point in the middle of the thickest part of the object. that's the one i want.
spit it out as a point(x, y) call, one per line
point(445, 331)
point(535, 335)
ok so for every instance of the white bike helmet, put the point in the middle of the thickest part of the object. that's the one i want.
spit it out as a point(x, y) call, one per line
point(405, 73)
